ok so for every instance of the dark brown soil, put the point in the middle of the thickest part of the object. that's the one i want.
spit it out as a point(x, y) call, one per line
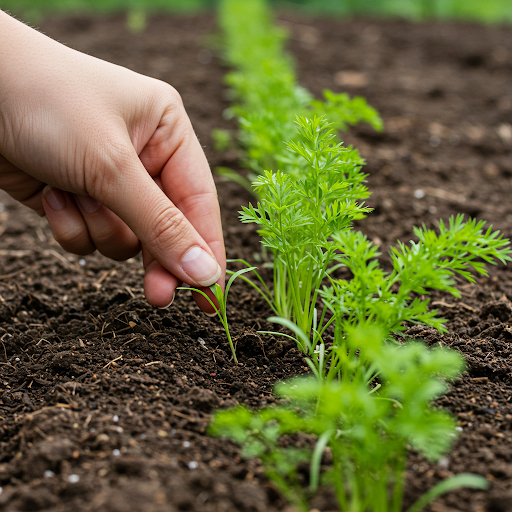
point(104, 401)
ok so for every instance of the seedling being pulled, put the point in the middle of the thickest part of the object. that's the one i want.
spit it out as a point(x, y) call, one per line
point(222, 300)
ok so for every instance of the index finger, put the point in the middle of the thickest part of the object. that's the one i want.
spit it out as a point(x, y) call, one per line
point(174, 156)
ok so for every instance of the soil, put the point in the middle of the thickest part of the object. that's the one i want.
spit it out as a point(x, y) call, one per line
point(105, 401)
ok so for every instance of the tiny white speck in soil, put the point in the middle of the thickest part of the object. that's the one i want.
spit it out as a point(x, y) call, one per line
point(459, 429)
point(193, 464)
point(419, 194)
point(1, 490)
point(143, 436)
point(116, 452)
point(116, 417)
point(444, 462)
point(173, 431)
point(81, 262)
point(73, 479)
point(434, 141)
point(48, 473)
point(186, 444)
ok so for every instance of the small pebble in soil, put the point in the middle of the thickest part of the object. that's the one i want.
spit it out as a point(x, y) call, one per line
point(193, 464)
point(444, 462)
point(434, 141)
point(201, 341)
point(81, 262)
point(415, 467)
point(73, 479)
point(143, 436)
point(48, 473)
point(459, 429)
point(186, 444)
point(2, 207)
point(419, 193)
point(116, 452)
point(173, 431)
point(115, 417)
point(1, 490)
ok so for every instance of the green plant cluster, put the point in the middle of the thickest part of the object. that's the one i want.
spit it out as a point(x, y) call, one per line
point(266, 93)
point(365, 431)
point(369, 397)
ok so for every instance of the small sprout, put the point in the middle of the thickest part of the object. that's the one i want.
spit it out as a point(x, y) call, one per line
point(222, 299)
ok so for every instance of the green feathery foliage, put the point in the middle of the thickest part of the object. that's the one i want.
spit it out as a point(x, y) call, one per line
point(265, 91)
point(367, 430)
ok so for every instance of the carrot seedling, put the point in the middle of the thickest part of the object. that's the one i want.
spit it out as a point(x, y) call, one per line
point(299, 214)
point(222, 300)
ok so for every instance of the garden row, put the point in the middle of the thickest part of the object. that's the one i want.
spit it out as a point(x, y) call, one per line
point(369, 396)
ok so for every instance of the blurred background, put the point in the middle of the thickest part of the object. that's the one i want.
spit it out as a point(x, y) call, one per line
point(492, 11)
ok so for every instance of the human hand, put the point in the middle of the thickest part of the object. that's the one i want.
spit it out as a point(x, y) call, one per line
point(111, 157)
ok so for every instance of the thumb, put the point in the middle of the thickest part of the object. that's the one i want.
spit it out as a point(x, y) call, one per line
point(163, 229)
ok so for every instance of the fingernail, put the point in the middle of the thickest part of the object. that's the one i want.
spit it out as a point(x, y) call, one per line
point(200, 266)
point(54, 197)
point(88, 204)
point(170, 303)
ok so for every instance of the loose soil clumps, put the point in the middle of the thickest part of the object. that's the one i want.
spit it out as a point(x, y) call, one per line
point(105, 401)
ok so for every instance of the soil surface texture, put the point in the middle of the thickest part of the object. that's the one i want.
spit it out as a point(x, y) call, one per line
point(105, 401)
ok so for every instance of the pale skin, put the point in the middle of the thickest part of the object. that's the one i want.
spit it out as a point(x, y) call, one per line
point(111, 158)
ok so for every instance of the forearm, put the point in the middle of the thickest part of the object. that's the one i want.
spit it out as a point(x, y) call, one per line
point(29, 61)
point(21, 49)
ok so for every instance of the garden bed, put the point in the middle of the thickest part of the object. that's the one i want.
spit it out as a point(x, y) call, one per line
point(105, 400)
